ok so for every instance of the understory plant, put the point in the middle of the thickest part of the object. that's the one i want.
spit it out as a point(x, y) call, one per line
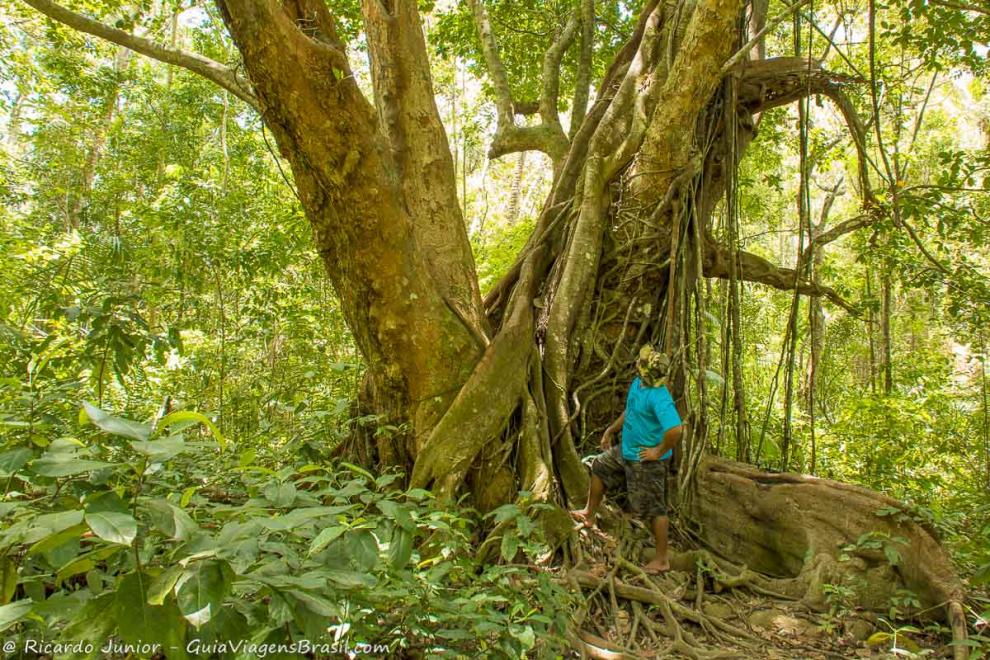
point(163, 535)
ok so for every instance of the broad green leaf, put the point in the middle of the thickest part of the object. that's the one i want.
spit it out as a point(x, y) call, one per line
point(65, 465)
point(112, 526)
point(85, 563)
point(46, 524)
point(225, 626)
point(314, 603)
point(398, 513)
point(95, 620)
point(525, 635)
point(418, 494)
point(305, 514)
point(197, 556)
point(108, 500)
point(56, 539)
point(13, 460)
point(279, 609)
point(510, 545)
point(14, 612)
point(201, 589)
point(192, 416)
point(505, 512)
point(351, 579)
point(400, 549)
point(161, 450)
point(280, 494)
point(171, 520)
point(325, 538)
point(878, 638)
point(116, 425)
point(138, 621)
point(362, 549)
point(163, 584)
point(386, 479)
point(187, 496)
point(358, 470)
point(8, 579)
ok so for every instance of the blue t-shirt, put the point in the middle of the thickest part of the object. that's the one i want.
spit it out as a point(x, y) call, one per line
point(650, 412)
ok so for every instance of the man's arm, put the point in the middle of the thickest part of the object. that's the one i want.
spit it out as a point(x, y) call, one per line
point(670, 440)
point(610, 431)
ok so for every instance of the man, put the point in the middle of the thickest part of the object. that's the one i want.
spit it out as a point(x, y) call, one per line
point(639, 465)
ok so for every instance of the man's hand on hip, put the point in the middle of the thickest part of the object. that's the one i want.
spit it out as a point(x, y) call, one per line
point(650, 453)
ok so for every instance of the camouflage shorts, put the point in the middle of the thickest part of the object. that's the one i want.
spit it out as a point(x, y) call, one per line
point(644, 483)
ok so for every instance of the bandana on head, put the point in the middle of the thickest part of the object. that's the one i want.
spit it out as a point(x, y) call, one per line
point(652, 366)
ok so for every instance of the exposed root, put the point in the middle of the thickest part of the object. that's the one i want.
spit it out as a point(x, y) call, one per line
point(705, 607)
point(794, 526)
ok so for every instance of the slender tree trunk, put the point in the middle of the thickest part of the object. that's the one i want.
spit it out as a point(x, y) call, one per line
point(871, 326)
point(986, 410)
point(78, 198)
point(886, 350)
point(512, 212)
point(816, 319)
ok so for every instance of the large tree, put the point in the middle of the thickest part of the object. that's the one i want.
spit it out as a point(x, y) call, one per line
point(490, 390)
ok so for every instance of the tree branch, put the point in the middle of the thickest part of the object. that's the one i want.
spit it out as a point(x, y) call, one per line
point(550, 92)
point(757, 38)
point(548, 137)
point(961, 7)
point(767, 84)
point(582, 83)
point(754, 268)
point(841, 229)
point(408, 115)
point(213, 71)
point(489, 48)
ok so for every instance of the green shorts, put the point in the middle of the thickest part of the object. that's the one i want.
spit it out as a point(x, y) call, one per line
point(644, 483)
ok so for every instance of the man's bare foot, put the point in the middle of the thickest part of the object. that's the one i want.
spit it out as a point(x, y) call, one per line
point(584, 517)
point(657, 566)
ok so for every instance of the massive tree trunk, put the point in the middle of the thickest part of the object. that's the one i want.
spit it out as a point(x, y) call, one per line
point(378, 189)
point(500, 393)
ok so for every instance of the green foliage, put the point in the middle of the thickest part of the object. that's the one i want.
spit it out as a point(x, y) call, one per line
point(943, 35)
point(278, 554)
point(871, 543)
point(898, 641)
point(525, 27)
point(497, 251)
point(839, 598)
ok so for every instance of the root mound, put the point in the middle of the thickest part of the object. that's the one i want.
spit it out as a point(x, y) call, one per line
point(776, 565)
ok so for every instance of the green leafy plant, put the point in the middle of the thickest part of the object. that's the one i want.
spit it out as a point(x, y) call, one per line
point(839, 598)
point(108, 547)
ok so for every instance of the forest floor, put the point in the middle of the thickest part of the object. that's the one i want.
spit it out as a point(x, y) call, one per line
point(629, 614)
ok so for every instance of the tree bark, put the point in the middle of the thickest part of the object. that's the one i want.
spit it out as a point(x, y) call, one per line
point(790, 527)
point(411, 319)
point(886, 349)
